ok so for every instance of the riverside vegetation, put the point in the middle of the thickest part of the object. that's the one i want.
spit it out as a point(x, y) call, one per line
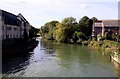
point(68, 30)
point(109, 43)
point(71, 31)
point(107, 47)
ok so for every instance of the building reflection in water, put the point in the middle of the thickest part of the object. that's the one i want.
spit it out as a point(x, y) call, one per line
point(14, 65)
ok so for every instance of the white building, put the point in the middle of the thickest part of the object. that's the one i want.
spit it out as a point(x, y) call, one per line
point(0, 25)
point(13, 26)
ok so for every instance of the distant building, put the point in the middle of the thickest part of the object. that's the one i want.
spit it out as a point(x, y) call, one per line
point(13, 26)
point(101, 26)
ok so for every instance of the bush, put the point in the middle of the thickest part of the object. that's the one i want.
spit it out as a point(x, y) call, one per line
point(108, 35)
point(118, 38)
point(100, 37)
point(95, 44)
point(78, 36)
point(85, 42)
point(94, 39)
point(106, 46)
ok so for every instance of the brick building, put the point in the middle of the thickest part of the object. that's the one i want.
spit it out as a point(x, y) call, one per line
point(101, 26)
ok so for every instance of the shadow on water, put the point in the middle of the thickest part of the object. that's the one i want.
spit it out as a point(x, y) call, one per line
point(17, 62)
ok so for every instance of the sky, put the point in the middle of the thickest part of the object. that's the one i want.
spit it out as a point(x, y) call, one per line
point(38, 12)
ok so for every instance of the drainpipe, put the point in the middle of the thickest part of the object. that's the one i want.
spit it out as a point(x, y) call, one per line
point(119, 26)
point(103, 29)
point(93, 29)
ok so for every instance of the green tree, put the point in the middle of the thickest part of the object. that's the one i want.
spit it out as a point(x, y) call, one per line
point(78, 36)
point(94, 19)
point(33, 31)
point(83, 24)
point(89, 27)
point(59, 33)
point(47, 31)
point(66, 29)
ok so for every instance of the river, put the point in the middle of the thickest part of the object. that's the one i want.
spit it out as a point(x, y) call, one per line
point(52, 59)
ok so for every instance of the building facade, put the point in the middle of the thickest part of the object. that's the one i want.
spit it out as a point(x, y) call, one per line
point(101, 26)
point(13, 26)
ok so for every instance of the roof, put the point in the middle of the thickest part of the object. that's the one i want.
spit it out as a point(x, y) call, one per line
point(10, 18)
point(110, 23)
point(107, 23)
point(22, 18)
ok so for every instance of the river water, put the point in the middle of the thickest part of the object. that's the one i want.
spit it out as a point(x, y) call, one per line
point(52, 59)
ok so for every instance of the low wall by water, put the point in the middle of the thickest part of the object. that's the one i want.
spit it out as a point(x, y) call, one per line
point(19, 50)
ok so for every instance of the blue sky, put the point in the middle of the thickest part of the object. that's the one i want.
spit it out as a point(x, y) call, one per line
point(38, 12)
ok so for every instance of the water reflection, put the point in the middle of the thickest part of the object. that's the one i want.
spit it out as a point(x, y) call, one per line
point(14, 65)
point(52, 59)
point(76, 60)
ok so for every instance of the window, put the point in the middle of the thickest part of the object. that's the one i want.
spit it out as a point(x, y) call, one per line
point(8, 28)
point(7, 36)
point(13, 36)
point(18, 36)
point(2, 36)
point(2, 27)
point(0, 17)
point(10, 36)
point(15, 28)
point(20, 29)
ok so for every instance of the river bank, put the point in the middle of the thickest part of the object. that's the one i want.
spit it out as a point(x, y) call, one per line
point(19, 49)
point(107, 47)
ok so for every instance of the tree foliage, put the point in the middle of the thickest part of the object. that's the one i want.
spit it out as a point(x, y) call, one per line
point(33, 31)
point(108, 35)
point(68, 30)
point(78, 36)
point(94, 19)
point(48, 29)
point(85, 26)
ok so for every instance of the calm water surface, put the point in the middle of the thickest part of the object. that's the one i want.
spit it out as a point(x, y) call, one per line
point(52, 59)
